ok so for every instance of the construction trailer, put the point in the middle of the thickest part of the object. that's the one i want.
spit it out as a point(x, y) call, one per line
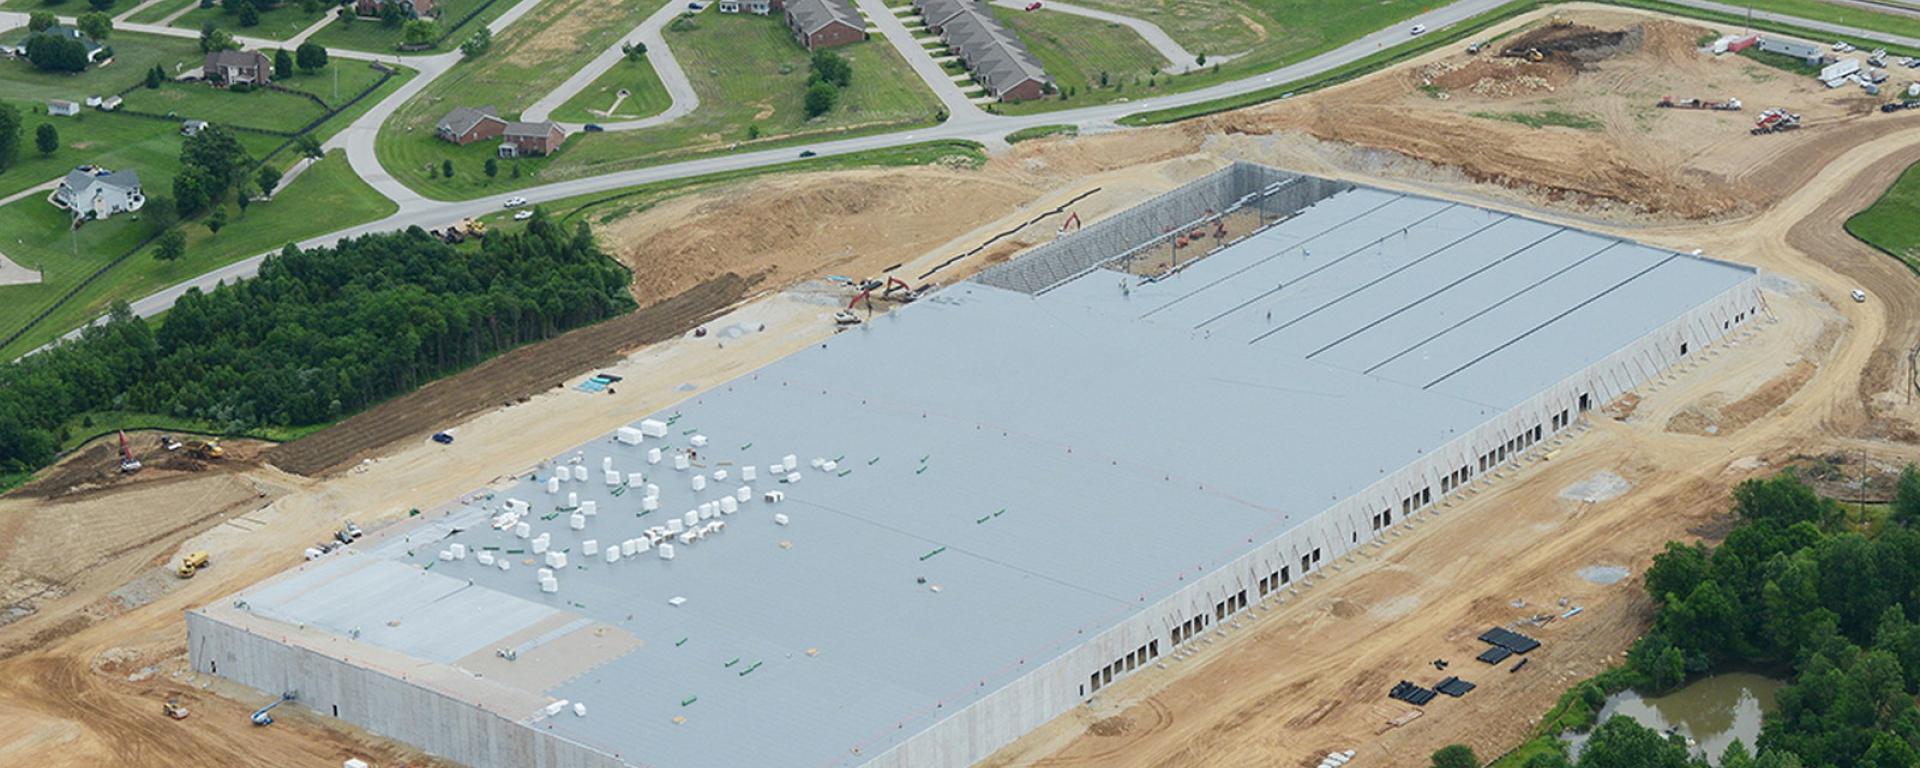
point(1043, 481)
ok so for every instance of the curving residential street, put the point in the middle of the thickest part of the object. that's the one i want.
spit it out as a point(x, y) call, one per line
point(685, 100)
point(965, 121)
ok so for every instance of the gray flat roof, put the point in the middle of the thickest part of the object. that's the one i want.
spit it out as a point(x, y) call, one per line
point(1051, 462)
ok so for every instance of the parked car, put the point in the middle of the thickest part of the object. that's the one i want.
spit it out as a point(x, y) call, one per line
point(593, 128)
point(1859, 295)
point(808, 153)
point(442, 438)
point(1418, 30)
point(515, 202)
point(1033, 6)
point(523, 216)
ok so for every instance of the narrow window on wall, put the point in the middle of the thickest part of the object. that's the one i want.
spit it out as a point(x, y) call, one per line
point(1094, 682)
point(1388, 517)
point(1285, 578)
point(1083, 691)
point(1173, 637)
point(1131, 662)
point(1586, 402)
point(1243, 599)
point(1106, 675)
point(1683, 348)
point(1305, 563)
point(1153, 648)
point(1376, 521)
point(1316, 555)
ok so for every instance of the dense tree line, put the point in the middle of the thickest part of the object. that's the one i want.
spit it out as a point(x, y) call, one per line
point(1796, 587)
point(318, 335)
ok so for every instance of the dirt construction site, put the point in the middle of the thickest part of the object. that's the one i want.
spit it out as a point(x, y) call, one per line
point(91, 638)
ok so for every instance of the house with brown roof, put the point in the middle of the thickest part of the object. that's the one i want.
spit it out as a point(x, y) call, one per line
point(996, 58)
point(235, 67)
point(466, 125)
point(531, 139)
point(825, 23)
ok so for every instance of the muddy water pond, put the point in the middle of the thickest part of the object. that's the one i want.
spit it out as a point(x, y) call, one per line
point(1711, 712)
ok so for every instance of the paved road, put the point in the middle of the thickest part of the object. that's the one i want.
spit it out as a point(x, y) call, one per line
point(973, 124)
point(685, 100)
point(1822, 26)
point(1178, 57)
point(957, 104)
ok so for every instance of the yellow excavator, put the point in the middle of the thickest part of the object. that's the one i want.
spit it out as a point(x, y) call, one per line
point(203, 449)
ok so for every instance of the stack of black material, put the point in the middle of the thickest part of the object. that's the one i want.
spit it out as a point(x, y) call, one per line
point(1494, 655)
point(1411, 694)
point(1512, 641)
point(1454, 687)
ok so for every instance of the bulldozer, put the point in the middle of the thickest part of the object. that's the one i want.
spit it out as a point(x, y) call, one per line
point(1559, 22)
point(192, 563)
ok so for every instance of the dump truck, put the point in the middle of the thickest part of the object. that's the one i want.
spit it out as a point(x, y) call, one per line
point(192, 563)
point(1775, 121)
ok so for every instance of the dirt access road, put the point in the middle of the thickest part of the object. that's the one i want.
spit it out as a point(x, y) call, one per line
point(85, 666)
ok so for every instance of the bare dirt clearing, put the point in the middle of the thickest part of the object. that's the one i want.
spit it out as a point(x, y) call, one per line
point(96, 649)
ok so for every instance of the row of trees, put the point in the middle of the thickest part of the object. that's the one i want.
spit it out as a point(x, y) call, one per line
point(318, 335)
point(1795, 587)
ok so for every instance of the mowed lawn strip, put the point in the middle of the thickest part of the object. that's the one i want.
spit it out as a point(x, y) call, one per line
point(1892, 223)
point(646, 95)
point(327, 197)
point(751, 77)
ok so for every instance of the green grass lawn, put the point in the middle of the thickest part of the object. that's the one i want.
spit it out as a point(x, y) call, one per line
point(1077, 50)
point(1848, 15)
point(462, 17)
point(152, 14)
point(278, 23)
point(750, 75)
point(1791, 64)
point(1265, 32)
point(1892, 223)
point(262, 108)
point(325, 198)
point(133, 55)
point(646, 95)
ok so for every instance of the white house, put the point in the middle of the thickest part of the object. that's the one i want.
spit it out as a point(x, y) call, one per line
point(62, 107)
point(97, 193)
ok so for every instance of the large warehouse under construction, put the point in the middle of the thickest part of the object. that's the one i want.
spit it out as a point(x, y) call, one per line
point(919, 541)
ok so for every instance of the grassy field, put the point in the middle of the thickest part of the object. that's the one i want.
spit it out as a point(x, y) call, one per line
point(133, 55)
point(264, 109)
point(325, 198)
point(646, 96)
point(277, 23)
point(1892, 223)
point(152, 14)
point(1547, 119)
point(1834, 13)
point(751, 78)
point(1041, 132)
point(461, 16)
point(1265, 32)
point(1077, 51)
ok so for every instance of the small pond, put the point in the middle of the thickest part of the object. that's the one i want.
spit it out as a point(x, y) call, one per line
point(1711, 712)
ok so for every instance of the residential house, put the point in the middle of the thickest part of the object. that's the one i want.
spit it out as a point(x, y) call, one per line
point(412, 9)
point(95, 51)
point(110, 104)
point(825, 23)
point(531, 139)
point(62, 107)
point(97, 193)
point(729, 6)
point(994, 55)
point(466, 125)
point(236, 67)
point(192, 127)
point(761, 7)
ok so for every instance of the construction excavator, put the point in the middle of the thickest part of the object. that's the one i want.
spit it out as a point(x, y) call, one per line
point(128, 464)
